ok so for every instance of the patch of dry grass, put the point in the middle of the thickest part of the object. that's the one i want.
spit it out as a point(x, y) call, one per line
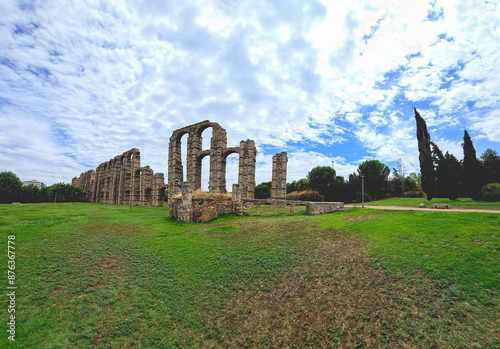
point(334, 297)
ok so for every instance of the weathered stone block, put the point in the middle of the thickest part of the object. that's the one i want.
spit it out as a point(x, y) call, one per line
point(323, 207)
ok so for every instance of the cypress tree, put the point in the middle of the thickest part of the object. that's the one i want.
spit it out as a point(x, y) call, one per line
point(471, 169)
point(448, 172)
point(425, 157)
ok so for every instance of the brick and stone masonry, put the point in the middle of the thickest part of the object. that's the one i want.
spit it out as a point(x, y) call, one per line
point(122, 181)
point(218, 153)
point(278, 183)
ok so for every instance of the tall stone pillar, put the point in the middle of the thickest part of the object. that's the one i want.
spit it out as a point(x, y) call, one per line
point(217, 161)
point(97, 184)
point(246, 173)
point(136, 178)
point(236, 199)
point(175, 170)
point(146, 186)
point(158, 190)
point(114, 181)
point(193, 165)
point(278, 184)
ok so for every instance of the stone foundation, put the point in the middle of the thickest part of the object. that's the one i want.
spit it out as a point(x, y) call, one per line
point(189, 208)
point(323, 207)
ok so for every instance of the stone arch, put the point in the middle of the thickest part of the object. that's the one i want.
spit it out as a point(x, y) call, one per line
point(218, 153)
point(225, 154)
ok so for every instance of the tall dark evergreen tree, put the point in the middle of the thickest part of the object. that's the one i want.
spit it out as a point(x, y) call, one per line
point(425, 157)
point(448, 171)
point(471, 169)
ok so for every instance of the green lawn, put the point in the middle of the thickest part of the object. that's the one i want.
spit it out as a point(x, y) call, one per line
point(110, 277)
point(465, 203)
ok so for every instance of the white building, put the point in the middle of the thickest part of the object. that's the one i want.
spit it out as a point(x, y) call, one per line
point(33, 182)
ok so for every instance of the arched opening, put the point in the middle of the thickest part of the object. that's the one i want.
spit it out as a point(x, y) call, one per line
point(136, 188)
point(162, 196)
point(147, 197)
point(183, 140)
point(206, 135)
point(232, 170)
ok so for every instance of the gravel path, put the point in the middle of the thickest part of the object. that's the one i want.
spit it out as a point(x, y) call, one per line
point(431, 209)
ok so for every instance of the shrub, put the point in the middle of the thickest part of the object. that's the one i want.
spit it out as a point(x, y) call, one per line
point(415, 194)
point(306, 195)
point(491, 192)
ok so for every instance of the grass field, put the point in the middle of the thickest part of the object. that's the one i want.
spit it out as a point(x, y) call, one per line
point(465, 203)
point(110, 277)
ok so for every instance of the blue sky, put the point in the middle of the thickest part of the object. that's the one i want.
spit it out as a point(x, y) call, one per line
point(83, 81)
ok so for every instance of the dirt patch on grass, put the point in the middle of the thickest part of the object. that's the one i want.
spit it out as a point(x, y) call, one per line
point(111, 229)
point(335, 298)
point(92, 214)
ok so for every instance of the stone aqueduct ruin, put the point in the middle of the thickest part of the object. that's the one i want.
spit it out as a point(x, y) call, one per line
point(218, 153)
point(123, 181)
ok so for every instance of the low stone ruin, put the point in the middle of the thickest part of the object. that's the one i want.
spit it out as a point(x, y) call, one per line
point(323, 207)
point(122, 181)
point(196, 206)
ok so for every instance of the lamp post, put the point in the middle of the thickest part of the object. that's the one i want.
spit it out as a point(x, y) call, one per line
point(130, 201)
point(362, 191)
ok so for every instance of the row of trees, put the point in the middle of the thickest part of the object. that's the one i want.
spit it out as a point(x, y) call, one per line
point(378, 185)
point(12, 190)
point(443, 175)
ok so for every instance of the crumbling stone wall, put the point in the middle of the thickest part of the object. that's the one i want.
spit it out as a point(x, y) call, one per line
point(278, 183)
point(122, 181)
point(189, 208)
point(218, 153)
point(85, 181)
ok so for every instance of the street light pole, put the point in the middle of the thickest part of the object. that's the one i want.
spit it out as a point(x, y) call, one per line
point(362, 191)
point(131, 187)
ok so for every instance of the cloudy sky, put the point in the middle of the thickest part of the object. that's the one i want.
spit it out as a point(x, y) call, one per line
point(83, 81)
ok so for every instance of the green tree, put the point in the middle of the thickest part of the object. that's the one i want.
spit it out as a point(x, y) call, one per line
point(376, 175)
point(425, 157)
point(399, 181)
point(321, 177)
point(263, 190)
point(61, 192)
point(448, 171)
point(416, 178)
point(490, 162)
point(10, 187)
point(410, 184)
point(471, 169)
point(33, 194)
point(300, 185)
point(325, 180)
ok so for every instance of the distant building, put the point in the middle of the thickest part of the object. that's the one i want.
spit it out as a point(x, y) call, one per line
point(33, 182)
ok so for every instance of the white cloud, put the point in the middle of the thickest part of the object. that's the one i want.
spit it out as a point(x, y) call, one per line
point(96, 79)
